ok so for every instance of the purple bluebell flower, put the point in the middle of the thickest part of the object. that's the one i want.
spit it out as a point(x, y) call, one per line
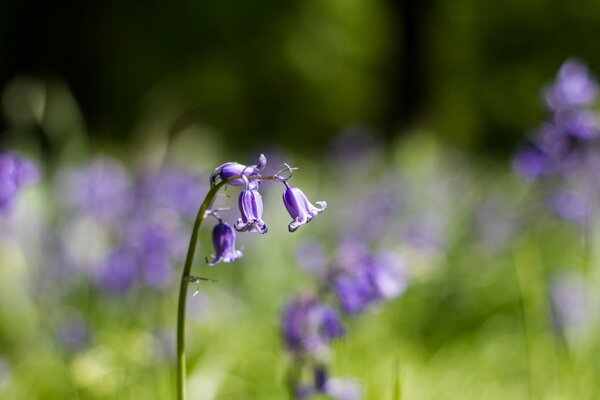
point(309, 326)
point(389, 274)
point(369, 281)
point(580, 124)
point(574, 87)
point(223, 236)
point(251, 208)
point(530, 163)
point(15, 173)
point(229, 170)
point(355, 292)
point(299, 208)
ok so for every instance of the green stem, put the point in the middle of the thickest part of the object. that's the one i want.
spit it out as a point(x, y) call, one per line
point(181, 374)
point(206, 204)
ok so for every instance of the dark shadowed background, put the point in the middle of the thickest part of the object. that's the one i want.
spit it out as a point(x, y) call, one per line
point(294, 73)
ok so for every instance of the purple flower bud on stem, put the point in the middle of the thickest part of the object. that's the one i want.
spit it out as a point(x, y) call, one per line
point(223, 236)
point(251, 208)
point(299, 208)
point(232, 169)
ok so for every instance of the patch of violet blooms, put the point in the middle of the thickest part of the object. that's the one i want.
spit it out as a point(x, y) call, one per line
point(357, 281)
point(144, 217)
point(563, 147)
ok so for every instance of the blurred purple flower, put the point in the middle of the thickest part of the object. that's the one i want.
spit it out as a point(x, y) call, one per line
point(101, 189)
point(171, 189)
point(118, 272)
point(569, 206)
point(574, 87)
point(308, 326)
point(223, 236)
point(580, 124)
point(251, 209)
point(15, 173)
point(530, 163)
point(375, 278)
point(299, 208)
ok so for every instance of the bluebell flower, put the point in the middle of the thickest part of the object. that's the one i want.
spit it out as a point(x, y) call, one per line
point(369, 281)
point(15, 173)
point(223, 237)
point(531, 163)
point(580, 124)
point(229, 170)
point(251, 209)
point(299, 208)
point(355, 292)
point(308, 326)
point(574, 87)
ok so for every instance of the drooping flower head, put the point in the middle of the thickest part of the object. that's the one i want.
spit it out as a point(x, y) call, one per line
point(232, 169)
point(223, 237)
point(251, 209)
point(299, 208)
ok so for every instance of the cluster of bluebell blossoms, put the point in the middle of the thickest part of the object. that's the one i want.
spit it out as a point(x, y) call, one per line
point(562, 147)
point(311, 321)
point(250, 204)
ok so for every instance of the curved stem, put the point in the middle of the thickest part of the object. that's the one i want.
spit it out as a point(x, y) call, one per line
point(185, 280)
point(181, 373)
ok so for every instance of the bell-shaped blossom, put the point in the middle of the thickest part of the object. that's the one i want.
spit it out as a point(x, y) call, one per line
point(299, 208)
point(251, 209)
point(308, 326)
point(223, 237)
point(15, 173)
point(229, 170)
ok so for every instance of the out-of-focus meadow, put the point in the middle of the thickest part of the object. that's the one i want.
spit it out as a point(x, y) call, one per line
point(457, 141)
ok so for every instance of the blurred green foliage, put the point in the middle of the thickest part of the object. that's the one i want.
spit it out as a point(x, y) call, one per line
point(294, 73)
